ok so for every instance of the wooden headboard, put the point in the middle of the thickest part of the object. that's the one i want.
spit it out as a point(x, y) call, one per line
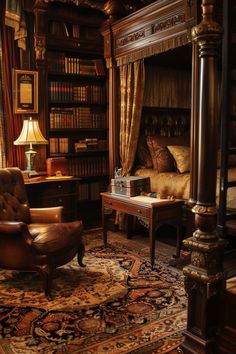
point(165, 121)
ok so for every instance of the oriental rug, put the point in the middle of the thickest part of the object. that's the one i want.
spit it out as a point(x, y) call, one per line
point(116, 304)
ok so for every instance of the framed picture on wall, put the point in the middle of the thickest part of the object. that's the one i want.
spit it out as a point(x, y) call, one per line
point(25, 92)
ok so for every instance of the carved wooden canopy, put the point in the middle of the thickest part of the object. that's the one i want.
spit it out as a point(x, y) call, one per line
point(158, 27)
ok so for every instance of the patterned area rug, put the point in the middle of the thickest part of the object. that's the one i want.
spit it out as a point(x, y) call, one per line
point(117, 304)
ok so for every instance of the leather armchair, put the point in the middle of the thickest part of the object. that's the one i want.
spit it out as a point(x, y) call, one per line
point(34, 239)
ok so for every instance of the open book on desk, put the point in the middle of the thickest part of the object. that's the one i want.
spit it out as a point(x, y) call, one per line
point(152, 201)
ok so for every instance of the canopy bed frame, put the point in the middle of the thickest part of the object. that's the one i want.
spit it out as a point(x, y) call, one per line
point(157, 28)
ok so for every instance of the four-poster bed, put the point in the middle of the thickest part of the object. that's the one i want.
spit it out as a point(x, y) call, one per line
point(162, 27)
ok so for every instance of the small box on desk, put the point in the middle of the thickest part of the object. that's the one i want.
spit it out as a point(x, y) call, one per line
point(57, 166)
point(130, 186)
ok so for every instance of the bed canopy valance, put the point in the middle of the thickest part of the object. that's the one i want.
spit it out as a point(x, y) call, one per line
point(157, 28)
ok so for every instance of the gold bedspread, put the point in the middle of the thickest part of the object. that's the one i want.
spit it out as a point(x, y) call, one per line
point(177, 184)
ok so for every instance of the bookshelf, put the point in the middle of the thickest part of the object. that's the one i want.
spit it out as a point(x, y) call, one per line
point(77, 125)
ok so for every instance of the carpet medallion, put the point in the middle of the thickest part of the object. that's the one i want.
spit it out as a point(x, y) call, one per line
point(117, 304)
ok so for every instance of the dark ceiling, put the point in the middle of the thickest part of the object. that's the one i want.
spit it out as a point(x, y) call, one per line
point(129, 5)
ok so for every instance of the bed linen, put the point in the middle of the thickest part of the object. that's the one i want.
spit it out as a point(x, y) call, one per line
point(178, 184)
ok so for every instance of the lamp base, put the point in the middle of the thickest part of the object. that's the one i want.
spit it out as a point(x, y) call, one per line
point(33, 173)
point(30, 174)
point(30, 156)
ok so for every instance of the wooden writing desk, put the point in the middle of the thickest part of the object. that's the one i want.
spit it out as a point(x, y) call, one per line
point(154, 211)
point(44, 192)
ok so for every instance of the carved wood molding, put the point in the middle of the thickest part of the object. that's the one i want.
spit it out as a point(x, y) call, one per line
point(170, 22)
point(131, 37)
point(158, 27)
point(40, 47)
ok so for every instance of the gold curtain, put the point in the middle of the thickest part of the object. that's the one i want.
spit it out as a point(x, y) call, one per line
point(132, 77)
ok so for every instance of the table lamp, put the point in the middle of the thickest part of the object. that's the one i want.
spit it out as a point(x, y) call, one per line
point(30, 134)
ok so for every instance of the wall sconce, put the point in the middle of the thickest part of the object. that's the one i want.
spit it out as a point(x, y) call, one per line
point(30, 135)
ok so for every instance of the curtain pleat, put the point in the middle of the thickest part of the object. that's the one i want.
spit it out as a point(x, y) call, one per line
point(132, 77)
point(157, 48)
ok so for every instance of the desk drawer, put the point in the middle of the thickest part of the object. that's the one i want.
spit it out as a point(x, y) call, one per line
point(54, 188)
point(126, 207)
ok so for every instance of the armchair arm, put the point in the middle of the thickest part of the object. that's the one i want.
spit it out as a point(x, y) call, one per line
point(15, 229)
point(12, 227)
point(46, 215)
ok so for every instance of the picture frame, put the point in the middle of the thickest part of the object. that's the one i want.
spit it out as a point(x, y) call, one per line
point(25, 92)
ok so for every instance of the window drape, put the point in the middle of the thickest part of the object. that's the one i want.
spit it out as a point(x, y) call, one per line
point(12, 37)
point(15, 156)
point(132, 78)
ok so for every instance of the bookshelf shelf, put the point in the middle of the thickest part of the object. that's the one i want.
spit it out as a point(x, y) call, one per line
point(82, 153)
point(76, 130)
point(77, 124)
point(76, 104)
point(94, 77)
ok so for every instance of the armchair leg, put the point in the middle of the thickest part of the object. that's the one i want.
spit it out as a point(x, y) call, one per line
point(80, 255)
point(46, 275)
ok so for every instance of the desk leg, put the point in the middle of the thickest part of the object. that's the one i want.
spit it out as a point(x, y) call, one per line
point(152, 228)
point(104, 225)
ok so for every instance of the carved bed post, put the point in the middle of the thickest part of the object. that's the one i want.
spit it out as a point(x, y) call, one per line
point(113, 122)
point(204, 277)
point(194, 127)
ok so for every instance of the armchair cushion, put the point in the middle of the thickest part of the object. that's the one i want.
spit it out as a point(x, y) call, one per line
point(46, 215)
point(49, 238)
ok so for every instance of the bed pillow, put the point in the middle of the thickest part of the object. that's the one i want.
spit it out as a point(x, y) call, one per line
point(143, 154)
point(181, 155)
point(161, 157)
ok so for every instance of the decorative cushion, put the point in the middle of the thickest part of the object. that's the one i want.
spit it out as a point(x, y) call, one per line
point(181, 155)
point(161, 157)
point(143, 153)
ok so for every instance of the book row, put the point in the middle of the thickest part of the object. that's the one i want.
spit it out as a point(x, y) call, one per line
point(59, 62)
point(62, 29)
point(76, 117)
point(62, 146)
point(88, 144)
point(73, 30)
point(59, 145)
point(88, 166)
point(67, 91)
